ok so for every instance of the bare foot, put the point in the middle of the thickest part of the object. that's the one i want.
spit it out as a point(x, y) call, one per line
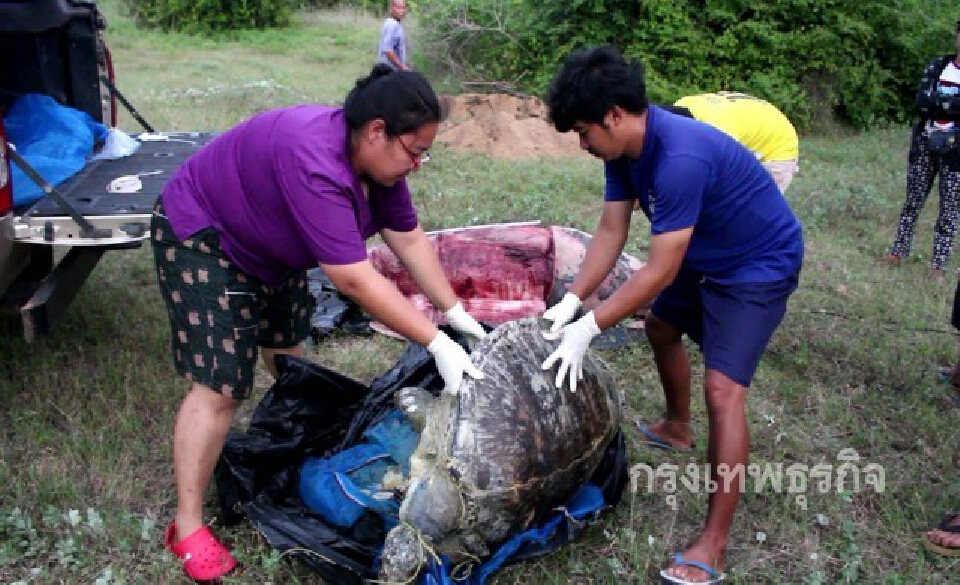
point(186, 526)
point(890, 260)
point(676, 434)
point(944, 538)
point(711, 557)
point(936, 275)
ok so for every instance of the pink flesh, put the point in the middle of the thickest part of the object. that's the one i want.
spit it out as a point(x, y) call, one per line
point(503, 272)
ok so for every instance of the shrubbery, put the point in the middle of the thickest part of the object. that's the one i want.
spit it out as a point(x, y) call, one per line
point(373, 6)
point(202, 16)
point(855, 61)
point(858, 62)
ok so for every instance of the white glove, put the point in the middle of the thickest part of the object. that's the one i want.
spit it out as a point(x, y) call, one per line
point(452, 362)
point(576, 338)
point(562, 312)
point(460, 319)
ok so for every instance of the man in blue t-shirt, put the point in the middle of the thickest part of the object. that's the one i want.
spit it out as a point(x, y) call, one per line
point(725, 255)
point(393, 41)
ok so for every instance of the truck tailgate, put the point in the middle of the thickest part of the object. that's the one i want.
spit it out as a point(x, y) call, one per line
point(126, 215)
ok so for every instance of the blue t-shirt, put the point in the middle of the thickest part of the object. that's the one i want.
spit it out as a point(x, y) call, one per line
point(690, 174)
point(392, 39)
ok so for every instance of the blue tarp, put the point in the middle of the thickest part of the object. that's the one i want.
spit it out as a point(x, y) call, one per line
point(54, 139)
point(581, 509)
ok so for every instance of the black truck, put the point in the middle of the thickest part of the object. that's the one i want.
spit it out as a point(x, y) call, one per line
point(56, 48)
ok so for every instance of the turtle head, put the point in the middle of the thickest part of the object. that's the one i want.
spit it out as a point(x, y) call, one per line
point(433, 505)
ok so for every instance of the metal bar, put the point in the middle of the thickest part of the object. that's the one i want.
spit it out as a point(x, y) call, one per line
point(41, 264)
point(46, 305)
point(86, 228)
point(133, 111)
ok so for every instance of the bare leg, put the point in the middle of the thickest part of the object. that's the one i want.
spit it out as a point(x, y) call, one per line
point(729, 444)
point(673, 365)
point(198, 437)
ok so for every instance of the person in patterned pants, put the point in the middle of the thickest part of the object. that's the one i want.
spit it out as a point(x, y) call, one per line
point(924, 167)
point(933, 153)
point(233, 234)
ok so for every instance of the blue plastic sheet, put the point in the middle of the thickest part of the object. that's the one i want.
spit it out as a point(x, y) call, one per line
point(55, 140)
point(579, 510)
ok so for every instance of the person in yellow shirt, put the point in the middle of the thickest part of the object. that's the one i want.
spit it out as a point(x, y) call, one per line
point(755, 123)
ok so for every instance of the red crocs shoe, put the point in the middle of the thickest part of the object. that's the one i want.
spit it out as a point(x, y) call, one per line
point(204, 558)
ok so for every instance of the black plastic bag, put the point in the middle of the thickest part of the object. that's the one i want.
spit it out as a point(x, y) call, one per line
point(313, 411)
point(333, 310)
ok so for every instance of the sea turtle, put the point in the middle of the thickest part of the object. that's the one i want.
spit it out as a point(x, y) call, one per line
point(502, 453)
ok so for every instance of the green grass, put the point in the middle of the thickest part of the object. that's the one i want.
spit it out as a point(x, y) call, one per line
point(86, 416)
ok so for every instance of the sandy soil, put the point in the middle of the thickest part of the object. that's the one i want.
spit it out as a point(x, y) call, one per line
point(505, 126)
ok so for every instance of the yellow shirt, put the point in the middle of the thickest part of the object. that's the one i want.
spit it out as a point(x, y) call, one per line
point(756, 124)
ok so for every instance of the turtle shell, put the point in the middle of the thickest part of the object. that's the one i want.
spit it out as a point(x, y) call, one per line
point(517, 445)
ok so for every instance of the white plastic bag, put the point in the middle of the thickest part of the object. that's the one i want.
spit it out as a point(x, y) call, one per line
point(117, 145)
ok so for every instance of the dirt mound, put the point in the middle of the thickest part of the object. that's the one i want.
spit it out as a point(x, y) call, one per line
point(505, 126)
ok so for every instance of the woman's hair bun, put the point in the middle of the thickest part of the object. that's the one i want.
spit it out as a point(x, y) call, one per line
point(379, 70)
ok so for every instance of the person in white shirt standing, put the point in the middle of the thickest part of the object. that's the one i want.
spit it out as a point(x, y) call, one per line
point(393, 41)
point(935, 148)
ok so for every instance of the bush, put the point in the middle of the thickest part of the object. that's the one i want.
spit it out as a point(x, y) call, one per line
point(204, 16)
point(854, 61)
point(371, 6)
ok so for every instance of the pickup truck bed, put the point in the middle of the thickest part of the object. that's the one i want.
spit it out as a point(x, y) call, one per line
point(43, 290)
point(87, 193)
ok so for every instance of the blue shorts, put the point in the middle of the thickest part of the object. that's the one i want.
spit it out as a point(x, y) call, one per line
point(732, 323)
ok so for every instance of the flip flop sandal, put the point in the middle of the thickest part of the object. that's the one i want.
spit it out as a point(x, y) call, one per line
point(713, 575)
point(655, 441)
point(945, 375)
point(204, 558)
point(948, 524)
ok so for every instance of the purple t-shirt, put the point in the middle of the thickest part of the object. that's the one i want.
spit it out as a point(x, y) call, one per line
point(281, 192)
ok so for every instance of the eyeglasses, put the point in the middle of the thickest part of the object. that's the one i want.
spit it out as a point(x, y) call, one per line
point(417, 160)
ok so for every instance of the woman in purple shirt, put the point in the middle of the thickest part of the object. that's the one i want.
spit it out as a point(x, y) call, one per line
point(237, 227)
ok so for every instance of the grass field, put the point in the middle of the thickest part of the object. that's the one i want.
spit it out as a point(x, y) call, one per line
point(86, 416)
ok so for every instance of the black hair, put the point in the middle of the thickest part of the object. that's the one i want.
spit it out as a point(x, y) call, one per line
point(678, 110)
point(404, 100)
point(590, 83)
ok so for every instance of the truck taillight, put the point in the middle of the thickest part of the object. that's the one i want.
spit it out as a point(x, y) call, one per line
point(6, 185)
